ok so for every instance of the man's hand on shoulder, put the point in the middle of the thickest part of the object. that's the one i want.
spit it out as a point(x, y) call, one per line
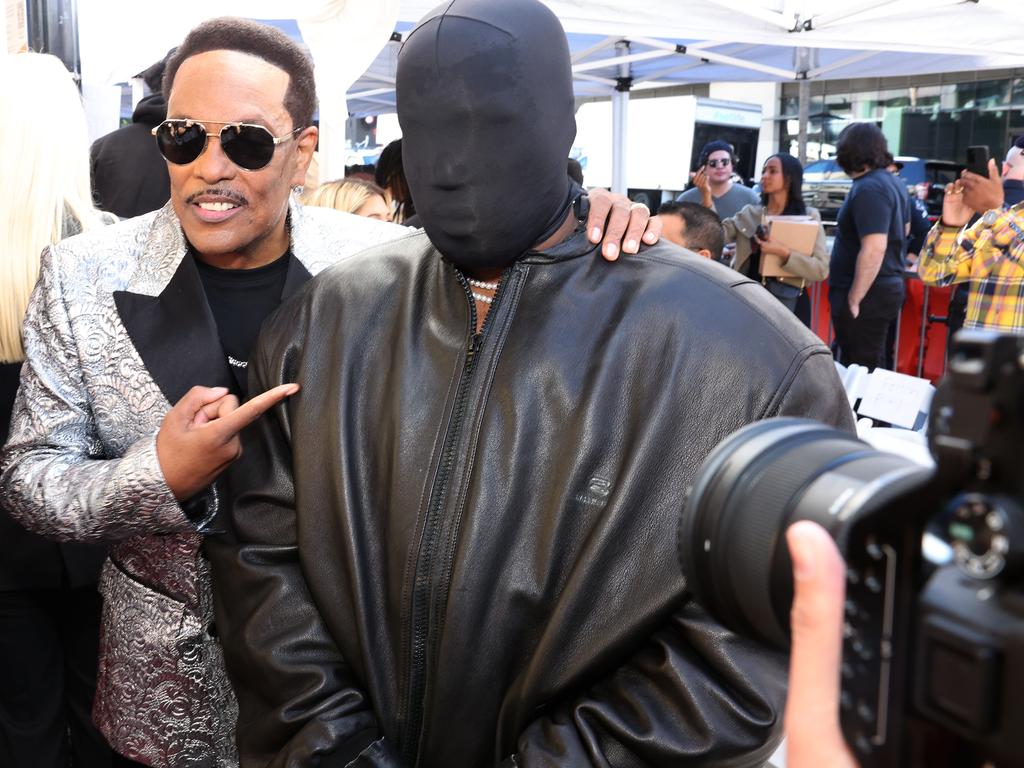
point(198, 437)
point(620, 223)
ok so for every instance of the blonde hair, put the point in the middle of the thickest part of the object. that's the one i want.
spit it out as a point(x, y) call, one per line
point(44, 164)
point(346, 195)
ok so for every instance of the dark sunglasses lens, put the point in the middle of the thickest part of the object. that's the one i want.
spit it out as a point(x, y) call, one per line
point(247, 146)
point(181, 143)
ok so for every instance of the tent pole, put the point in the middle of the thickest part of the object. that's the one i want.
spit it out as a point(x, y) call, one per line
point(620, 119)
point(804, 89)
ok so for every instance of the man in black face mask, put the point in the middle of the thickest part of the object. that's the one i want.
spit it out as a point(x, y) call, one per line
point(455, 547)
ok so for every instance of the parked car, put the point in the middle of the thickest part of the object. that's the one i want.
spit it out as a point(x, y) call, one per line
point(826, 185)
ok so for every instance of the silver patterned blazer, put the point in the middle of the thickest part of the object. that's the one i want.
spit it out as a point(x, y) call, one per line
point(117, 330)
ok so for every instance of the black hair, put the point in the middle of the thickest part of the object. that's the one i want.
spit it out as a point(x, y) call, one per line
point(390, 175)
point(793, 174)
point(717, 146)
point(703, 229)
point(1019, 143)
point(860, 146)
point(576, 171)
point(228, 33)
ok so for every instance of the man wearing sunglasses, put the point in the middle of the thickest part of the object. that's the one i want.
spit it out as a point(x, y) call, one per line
point(713, 185)
point(164, 309)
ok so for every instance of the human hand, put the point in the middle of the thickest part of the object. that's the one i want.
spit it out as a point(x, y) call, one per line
point(955, 213)
point(620, 222)
point(774, 248)
point(703, 183)
point(980, 193)
point(854, 307)
point(198, 437)
point(813, 736)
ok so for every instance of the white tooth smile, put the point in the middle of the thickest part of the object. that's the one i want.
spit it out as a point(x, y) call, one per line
point(217, 206)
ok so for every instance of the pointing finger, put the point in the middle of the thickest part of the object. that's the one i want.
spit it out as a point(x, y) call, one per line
point(230, 424)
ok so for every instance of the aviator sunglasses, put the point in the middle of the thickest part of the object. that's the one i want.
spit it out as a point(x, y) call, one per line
point(719, 163)
point(249, 146)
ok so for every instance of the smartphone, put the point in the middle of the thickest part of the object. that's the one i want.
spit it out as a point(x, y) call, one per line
point(977, 160)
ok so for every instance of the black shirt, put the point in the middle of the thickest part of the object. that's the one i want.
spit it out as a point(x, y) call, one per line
point(877, 204)
point(241, 299)
point(9, 378)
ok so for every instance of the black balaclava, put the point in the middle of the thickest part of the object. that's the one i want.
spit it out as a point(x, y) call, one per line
point(486, 106)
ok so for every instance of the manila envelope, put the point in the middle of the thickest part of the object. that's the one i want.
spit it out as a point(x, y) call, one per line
point(796, 235)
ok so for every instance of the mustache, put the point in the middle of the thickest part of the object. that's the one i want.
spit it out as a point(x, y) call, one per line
point(230, 194)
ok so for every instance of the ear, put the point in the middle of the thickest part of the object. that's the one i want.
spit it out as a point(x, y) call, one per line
point(305, 143)
point(704, 252)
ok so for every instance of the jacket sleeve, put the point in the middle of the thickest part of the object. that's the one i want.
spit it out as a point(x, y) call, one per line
point(814, 391)
point(299, 703)
point(739, 229)
point(947, 255)
point(813, 266)
point(54, 476)
point(694, 695)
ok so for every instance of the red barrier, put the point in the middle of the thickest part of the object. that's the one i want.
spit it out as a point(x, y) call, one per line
point(932, 363)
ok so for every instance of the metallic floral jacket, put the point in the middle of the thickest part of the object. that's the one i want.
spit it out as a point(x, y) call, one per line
point(117, 330)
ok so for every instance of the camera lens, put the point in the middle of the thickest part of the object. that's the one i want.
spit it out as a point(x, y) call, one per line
point(757, 482)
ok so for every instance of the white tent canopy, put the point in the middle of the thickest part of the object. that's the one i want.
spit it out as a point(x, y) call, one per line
point(656, 44)
point(620, 47)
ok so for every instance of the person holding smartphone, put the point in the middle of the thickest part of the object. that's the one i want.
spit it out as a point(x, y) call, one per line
point(986, 254)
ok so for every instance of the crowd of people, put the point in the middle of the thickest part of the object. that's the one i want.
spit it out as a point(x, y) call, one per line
point(882, 234)
point(468, 425)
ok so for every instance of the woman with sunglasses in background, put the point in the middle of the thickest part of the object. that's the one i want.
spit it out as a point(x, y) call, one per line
point(781, 181)
point(363, 198)
point(49, 606)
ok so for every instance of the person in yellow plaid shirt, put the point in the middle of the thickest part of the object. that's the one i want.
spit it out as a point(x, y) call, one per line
point(989, 254)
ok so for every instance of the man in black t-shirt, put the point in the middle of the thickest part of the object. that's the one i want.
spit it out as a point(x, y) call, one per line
point(866, 273)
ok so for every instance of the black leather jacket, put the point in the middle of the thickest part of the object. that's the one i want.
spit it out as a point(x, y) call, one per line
point(457, 551)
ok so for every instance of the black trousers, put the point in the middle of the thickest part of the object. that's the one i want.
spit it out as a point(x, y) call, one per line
point(48, 649)
point(862, 340)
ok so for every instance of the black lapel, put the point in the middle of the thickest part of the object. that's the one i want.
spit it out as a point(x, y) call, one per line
point(175, 334)
point(297, 277)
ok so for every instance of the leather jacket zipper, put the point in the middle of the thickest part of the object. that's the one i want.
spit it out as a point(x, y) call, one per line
point(429, 542)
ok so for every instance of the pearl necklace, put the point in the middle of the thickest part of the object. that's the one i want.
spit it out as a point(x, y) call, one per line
point(485, 286)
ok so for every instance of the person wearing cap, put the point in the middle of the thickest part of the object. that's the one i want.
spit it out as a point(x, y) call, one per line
point(713, 185)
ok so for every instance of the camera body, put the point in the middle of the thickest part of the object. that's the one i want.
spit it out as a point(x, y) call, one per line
point(933, 655)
